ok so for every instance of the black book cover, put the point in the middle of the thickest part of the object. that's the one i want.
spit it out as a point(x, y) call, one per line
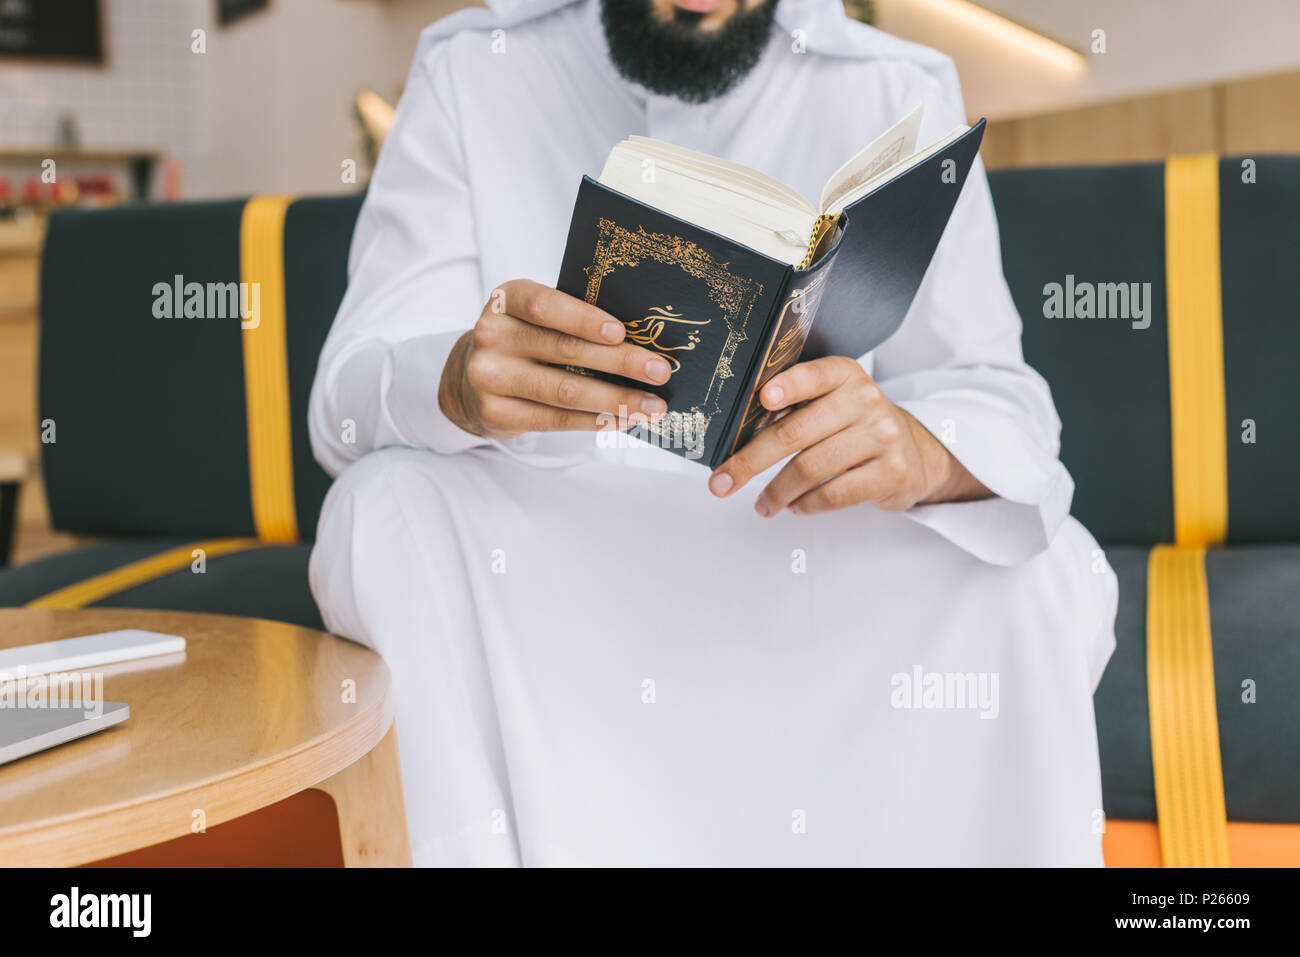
point(728, 318)
point(890, 236)
point(696, 298)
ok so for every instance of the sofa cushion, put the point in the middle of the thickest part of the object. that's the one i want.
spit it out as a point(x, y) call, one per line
point(266, 582)
point(1255, 623)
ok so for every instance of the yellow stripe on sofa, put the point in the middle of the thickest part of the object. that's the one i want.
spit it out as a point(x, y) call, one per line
point(266, 370)
point(99, 587)
point(1185, 752)
point(1195, 310)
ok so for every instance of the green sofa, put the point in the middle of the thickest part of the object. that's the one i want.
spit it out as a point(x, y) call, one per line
point(151, 446)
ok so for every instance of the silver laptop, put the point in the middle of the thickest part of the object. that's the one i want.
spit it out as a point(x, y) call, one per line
point(25, 731)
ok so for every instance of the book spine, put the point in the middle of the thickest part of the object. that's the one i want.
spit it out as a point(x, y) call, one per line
point(786, 335)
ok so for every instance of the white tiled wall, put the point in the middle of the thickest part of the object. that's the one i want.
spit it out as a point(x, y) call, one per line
point(267, 107)
point(142, 97)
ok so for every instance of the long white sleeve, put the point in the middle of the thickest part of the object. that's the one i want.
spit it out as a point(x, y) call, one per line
point(956, 365)
point(413, 289)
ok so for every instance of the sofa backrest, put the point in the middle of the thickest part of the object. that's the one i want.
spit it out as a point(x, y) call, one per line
point(150, 414)
point(1111, 381)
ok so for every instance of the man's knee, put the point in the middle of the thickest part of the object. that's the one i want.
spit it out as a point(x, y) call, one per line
point(1082, 588)
point(375, 474)
point(370, 525)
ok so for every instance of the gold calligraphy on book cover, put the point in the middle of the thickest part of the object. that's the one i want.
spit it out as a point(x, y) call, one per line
point(675, 330)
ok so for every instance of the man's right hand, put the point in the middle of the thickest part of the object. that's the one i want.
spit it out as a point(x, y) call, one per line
point(499, 380)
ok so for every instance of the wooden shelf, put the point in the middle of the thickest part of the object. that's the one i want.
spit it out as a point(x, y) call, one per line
point(36, 154)
point(22, 237)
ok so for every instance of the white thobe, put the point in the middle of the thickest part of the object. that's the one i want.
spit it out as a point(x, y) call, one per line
point(594, 660)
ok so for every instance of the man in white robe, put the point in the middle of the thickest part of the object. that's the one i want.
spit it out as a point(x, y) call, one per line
point(603, 655)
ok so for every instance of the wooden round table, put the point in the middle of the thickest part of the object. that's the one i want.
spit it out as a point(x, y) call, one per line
point(252, 713)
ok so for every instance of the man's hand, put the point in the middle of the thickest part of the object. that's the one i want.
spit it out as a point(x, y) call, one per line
point(499, 382)
point(853, 445)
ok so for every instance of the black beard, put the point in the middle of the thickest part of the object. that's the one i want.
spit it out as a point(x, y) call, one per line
point(674, 58)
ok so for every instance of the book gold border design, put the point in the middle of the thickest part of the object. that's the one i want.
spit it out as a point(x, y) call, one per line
point(618, 246)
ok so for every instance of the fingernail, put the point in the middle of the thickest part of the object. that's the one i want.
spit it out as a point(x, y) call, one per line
point(612, 331)
point(721, 483)
point(774, 394)
point(657, 369)
point(653, 405)
point(761, 506)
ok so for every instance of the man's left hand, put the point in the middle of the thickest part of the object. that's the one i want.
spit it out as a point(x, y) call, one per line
point(850, 445)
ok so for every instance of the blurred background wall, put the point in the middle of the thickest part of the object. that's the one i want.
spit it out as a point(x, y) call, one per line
point(1152, 46)
point(268, 105)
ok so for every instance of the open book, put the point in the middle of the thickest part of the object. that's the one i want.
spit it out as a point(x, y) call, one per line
point(722, 269)
point(752, 208)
